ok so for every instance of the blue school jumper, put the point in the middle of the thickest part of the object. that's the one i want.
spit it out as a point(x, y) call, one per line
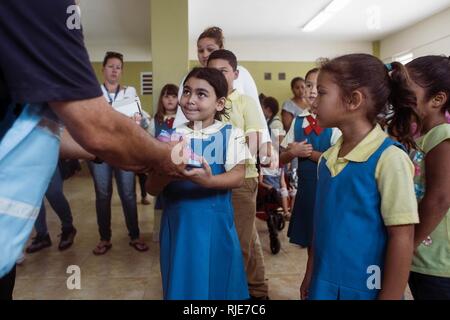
point(201, 257)
point(350, 237)
point(159, 127)
point(301, 225)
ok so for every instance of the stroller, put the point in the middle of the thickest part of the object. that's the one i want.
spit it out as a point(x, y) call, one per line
point(268, 208)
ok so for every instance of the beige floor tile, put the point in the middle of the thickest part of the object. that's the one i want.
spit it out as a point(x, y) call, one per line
point(124, 273)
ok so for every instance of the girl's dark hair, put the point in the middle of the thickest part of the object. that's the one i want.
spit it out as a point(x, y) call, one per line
point(214, 33)
point(217, 80)
point(392, 100)
point(433, 74)
point(169, 90)
point(310, 72)
point(295, 80)
point(111, 55)
point(261, 97)
point(272, 104)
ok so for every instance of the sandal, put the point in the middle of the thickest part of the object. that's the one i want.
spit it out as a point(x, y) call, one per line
point(101, 248)
point(139, 245)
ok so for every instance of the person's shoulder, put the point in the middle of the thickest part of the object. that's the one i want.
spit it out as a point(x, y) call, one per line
point(394, 157)
point(244, 100)
point(433, 138)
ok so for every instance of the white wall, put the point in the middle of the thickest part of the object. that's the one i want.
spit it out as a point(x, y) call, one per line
point(431, 36)
point(286, 50)
point(131, 52)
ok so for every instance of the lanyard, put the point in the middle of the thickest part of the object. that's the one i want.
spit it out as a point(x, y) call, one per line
point(111, 101)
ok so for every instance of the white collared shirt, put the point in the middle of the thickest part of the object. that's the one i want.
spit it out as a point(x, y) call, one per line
point(237, 150)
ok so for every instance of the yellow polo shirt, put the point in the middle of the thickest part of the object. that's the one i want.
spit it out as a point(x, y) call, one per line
point(394, 175)
point(243, 114)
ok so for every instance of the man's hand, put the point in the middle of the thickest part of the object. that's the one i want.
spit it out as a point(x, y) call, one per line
point(173, 160)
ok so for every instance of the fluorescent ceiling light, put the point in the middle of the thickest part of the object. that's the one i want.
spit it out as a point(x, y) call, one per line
point(319, 19)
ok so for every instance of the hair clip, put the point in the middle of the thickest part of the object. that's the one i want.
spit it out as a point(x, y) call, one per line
point(389, 67)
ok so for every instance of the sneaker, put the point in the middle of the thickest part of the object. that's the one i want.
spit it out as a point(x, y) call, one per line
point(39, 243)
point(67, 237)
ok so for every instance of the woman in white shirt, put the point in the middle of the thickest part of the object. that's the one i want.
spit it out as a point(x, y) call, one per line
point(210, 40)
point(102, 173)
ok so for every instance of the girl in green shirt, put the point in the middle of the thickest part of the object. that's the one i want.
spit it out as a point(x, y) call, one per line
point(430, 276)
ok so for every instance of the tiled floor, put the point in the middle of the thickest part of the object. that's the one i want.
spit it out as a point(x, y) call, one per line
point(124, 273)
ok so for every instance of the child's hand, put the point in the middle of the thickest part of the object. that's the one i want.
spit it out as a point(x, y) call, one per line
point(300, 149)
point(202, 176)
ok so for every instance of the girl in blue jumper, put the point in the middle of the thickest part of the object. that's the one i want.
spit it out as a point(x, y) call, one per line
point(201, 257)
point(365, 211)
point(306, 141)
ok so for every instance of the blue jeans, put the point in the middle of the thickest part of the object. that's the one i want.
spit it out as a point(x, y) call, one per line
point(142, 180)
point(58, 202)
point(102, 174)
point(425, 287)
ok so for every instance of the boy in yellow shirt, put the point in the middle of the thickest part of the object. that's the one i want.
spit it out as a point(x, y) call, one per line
point(243, 114)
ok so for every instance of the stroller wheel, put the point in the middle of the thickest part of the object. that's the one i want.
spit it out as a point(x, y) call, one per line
point(275, 245)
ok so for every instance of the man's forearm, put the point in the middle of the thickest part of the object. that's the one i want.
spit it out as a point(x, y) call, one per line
point(70, 149)
point(109, 135)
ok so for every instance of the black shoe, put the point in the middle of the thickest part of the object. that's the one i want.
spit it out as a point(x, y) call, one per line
point(67, 237)
point(39, 243)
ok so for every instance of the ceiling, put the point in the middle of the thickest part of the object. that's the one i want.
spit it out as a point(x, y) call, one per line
point(127, 23)
point(284, 18)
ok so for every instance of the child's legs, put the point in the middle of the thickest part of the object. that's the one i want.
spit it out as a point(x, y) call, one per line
point(244, 203)
point(425, 287)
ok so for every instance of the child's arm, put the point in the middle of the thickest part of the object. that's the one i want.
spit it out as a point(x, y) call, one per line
point(228, 180)
point(436, 202)
point(315, 156)
point(156, 183)
point(263, 184)
point(399, 255)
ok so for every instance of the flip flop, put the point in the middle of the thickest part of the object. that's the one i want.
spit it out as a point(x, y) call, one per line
point(139, 246)
point(101, 249)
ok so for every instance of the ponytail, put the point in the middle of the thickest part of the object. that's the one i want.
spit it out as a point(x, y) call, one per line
point(402, 102)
